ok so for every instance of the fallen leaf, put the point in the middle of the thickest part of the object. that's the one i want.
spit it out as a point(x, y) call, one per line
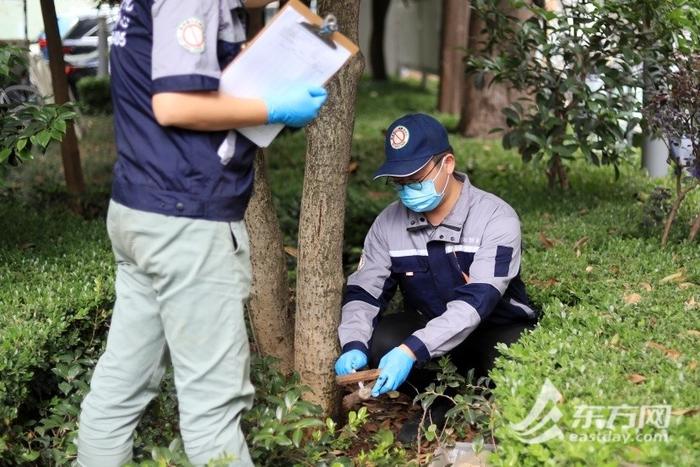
point(291, 251)
point(544, 283)
point(636, 378)
point(581, 242)
point(632, 299)
point(691, 304)
point(685, 411)
point(371, 427)
point(693, 332)
point(501, 167)
point(646, 286)
point(589, 269)
point(685, 285)
point(546, 242)
point(675, 277)
point(583, 212)
point(693, 365)
point(670, 353)
point(353, 166)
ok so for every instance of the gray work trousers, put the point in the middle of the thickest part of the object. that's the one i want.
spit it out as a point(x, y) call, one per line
point(180, 290)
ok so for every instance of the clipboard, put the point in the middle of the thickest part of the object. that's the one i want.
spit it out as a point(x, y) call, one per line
point(294, 47)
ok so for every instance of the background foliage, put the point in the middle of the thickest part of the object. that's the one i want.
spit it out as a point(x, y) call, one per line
point(25, 126)
point(581, 72)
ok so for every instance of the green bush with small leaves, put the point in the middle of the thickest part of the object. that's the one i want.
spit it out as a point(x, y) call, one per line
point(95, 95)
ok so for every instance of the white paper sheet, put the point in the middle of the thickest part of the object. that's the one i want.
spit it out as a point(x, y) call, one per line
point(285, 54)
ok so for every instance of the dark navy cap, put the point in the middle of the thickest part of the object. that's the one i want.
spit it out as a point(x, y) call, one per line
point(411, 141)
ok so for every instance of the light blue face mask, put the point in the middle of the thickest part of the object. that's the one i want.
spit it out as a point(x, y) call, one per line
point(422, 196)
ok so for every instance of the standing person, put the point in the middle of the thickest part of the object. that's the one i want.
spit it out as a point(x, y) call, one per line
point(176, 225)
point(453, 250)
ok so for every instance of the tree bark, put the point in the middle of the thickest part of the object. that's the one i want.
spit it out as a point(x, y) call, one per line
point(270, 312)
point(680, 196)
point(694, 229)
point(376, 41)
point(320, 274)
point(455, 36)
point(70, 152)
point(482, 103)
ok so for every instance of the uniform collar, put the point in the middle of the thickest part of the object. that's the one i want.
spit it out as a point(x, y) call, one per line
point(450, 230)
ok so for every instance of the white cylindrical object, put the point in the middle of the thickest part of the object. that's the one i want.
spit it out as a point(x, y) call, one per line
point(654, 157)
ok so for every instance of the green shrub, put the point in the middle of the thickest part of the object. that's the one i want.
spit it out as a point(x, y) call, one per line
point(95, 95)
point(56, 270)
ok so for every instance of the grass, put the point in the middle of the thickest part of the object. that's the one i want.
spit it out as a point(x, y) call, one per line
point(616, 330)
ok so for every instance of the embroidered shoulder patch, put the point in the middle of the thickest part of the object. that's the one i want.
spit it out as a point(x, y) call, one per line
point(190, 35)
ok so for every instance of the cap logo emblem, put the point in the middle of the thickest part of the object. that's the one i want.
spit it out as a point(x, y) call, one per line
point(399, 137)
point(190, 35)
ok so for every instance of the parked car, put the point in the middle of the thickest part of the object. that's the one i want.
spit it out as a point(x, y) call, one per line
point(79, 35)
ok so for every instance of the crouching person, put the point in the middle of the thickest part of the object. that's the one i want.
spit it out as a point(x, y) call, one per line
point(454, 252)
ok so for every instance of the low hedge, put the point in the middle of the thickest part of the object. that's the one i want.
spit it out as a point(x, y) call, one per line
point(95, 95)
point(57, 272)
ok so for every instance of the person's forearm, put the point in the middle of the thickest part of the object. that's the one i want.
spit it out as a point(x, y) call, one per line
point(207, 111)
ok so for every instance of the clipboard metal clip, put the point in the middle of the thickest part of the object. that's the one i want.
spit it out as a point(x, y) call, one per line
point(325, 30)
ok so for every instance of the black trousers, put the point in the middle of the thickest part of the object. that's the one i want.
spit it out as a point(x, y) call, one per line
point(477, 351)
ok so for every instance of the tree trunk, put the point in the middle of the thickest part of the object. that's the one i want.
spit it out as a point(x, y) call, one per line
point(320, 274)
point(455, 35)
point(69, 144)
point(482, 103)
point(694, 229)
point(376, 41)
point(680, 196)
point(556, 174)
point(270, 313)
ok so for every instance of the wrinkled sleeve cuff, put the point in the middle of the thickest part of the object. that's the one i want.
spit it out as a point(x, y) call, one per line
point(418, 348)
point(356, 345)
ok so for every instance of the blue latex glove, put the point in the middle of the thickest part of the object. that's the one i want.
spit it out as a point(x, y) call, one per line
point(350, 360)
point(395, 366)
point(295, 107)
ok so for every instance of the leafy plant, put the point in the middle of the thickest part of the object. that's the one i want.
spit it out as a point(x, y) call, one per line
point(673, 110)
point(657, 205)
point(577, 70)
point(24, 125)
point(470, 400)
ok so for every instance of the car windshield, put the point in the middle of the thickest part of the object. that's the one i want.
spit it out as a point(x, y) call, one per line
point(84, 26)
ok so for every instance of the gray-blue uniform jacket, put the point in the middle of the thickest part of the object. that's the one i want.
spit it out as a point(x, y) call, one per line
point(480, 238)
